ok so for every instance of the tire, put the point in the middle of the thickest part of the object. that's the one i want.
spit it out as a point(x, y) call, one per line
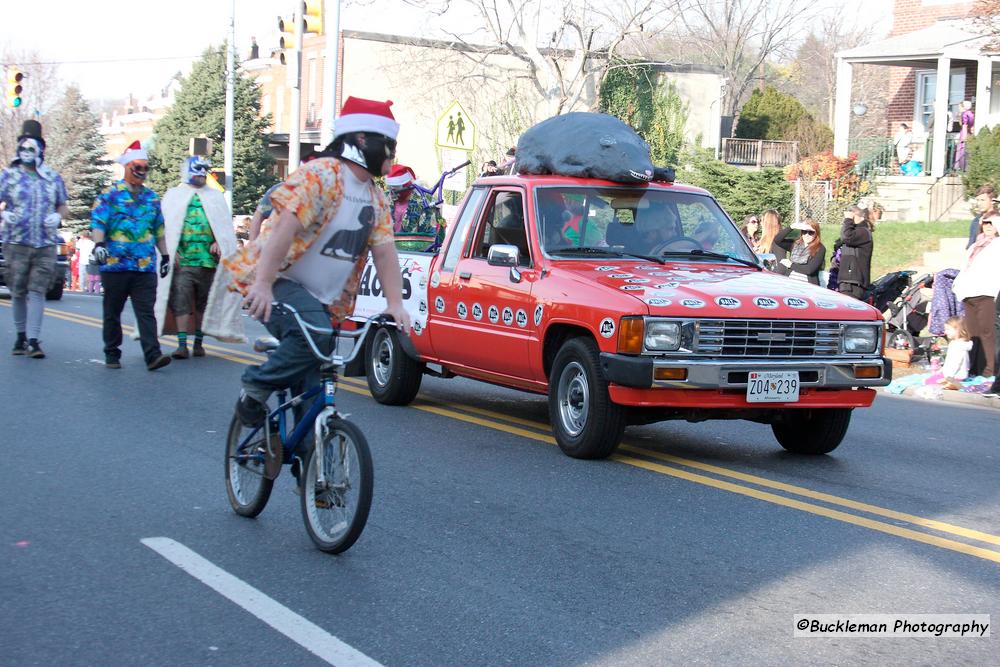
point(813, 431)
point(55, 292)
point(587, 425)
point(393, 377)
point(335, 517)
point(247, 487)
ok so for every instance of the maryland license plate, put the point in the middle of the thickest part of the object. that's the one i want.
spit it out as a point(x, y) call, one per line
point(773, 387)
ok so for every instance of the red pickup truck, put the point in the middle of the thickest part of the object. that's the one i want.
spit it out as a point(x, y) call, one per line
point(625, 304)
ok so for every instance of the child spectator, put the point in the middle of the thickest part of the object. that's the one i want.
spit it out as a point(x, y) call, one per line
point(956, 360)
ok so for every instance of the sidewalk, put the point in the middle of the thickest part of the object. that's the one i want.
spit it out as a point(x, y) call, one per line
point(948, 396)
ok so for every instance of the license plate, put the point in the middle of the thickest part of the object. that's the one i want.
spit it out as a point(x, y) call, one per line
point(773, 387)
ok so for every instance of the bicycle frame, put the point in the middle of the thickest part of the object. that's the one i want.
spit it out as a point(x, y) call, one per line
point(437, 191)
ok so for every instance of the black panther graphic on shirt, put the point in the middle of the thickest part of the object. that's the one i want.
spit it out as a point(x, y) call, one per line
point(347, 244)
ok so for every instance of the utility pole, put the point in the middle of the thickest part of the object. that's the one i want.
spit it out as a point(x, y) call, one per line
point(332, 32)
point(230, 104)
point(294, 137)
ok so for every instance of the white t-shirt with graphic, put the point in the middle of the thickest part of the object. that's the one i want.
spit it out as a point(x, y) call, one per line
point(324, 269)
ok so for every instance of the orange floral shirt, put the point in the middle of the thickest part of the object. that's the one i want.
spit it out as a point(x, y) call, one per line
point(313, 193)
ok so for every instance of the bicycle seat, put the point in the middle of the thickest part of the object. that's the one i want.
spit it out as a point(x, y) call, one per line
point(266, 344)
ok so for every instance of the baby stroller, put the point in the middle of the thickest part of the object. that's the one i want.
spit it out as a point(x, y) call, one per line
point(906, 316)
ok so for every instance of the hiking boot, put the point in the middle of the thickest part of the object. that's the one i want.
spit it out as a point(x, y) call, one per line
point(158, 362)
point(198, 350)
point(20, 345)
point(181, 352)
point(250, 411)
point(112, 362)
point(34, 350)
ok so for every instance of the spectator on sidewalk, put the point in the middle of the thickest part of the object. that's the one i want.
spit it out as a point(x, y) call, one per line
point(956, 360)
point(977, 286)
point(84, 249)
point(127, 224)
point(34, 203)
point(854, 274)
point(751, 229)
point(985, 196)
point(770, 225)
point(805, 254)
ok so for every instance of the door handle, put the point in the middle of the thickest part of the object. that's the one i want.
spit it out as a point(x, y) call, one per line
point(464, 275)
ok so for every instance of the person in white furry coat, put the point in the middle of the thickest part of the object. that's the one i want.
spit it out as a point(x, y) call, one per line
point(178, 302)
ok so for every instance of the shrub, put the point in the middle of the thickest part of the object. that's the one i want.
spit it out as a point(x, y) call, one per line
point(982, 159)
point(847, 186)
point(739, 191)
point(774, 115)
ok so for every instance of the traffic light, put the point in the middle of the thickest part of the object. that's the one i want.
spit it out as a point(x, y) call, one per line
point(14, 87)
point(286, 26)
point(312, 16)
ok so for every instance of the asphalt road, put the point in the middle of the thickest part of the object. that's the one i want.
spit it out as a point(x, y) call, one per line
point(695, 544)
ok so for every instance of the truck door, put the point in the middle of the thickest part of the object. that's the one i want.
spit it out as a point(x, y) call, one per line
point(484, 312)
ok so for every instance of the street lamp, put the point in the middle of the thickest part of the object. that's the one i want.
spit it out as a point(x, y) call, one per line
point(860, 109)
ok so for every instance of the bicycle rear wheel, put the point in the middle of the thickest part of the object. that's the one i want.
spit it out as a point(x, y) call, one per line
point(247, 487)
point(336, 512)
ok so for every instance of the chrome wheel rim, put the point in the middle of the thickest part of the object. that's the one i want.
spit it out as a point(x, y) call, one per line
point(246, 474)
point(573, 395)
point(382, 358)
point(331, 509)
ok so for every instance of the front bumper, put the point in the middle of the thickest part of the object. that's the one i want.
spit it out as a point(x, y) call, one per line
point(704, 373)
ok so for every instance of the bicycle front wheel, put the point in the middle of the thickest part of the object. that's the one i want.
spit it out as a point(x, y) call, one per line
point(247, 487)
point(336, 511)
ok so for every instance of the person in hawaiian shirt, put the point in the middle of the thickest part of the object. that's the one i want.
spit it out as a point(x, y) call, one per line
point(127, 224)
point(34, 201)
point(329, 214)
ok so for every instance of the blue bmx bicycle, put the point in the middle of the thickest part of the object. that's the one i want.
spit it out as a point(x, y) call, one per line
point(427, 238)
point(334, 469)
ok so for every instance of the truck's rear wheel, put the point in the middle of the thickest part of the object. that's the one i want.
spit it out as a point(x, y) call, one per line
point(812, 431)
point(393, 378)
point(587, 425)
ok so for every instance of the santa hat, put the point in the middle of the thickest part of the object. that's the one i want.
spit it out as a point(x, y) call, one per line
point(134, 152)
point(399, 176)
point(360, 115)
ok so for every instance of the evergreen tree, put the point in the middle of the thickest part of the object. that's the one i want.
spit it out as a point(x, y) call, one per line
point(200, 109)
point(75, 148)
point(774, 115)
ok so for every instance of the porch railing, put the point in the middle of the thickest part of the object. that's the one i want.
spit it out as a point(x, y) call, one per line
point(759, 152)
point(876, 156)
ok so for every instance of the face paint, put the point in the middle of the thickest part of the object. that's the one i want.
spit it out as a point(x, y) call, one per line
point(370, 151)
point(136, 172)
point(195, 171)
point(28, 152)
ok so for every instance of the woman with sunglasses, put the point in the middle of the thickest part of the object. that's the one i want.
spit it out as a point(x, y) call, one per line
point(976, 287)
point(805, 255)
point(750, 229)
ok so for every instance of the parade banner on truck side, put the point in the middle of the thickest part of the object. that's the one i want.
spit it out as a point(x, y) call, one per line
point(414, 270)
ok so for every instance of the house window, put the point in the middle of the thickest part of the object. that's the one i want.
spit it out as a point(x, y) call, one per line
point(927, 90)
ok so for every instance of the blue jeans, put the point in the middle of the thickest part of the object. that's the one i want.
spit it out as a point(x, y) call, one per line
point(293, 365)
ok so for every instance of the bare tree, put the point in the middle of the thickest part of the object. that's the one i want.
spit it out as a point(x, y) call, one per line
point(41, 91)
point(985, 16)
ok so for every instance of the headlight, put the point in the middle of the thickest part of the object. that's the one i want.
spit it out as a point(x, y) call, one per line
point(861, 339)
point(662, 336)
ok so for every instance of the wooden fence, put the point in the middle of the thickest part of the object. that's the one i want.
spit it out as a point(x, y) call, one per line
point(759, 152)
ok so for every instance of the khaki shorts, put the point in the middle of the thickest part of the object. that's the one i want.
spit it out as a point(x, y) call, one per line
point(189, 289)
point(28, 269)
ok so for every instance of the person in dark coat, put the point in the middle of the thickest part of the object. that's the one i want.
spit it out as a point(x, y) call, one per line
point(856, 253)
point(984, 204)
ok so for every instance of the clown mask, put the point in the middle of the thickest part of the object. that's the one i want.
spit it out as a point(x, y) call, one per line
point(136, 172)
point(195, 171)
point(29, 152)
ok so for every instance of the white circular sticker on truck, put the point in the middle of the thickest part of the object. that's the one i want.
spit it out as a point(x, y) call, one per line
point(857, 305)
point(620, 275)
point(661, 274)
point(477, 311)
point(539, 309)
point(638, 280)
point(823, 303)
point(422, 308)
point(521, 318)
point(631, 288)
point(658, 301)
point(606, 268)
point(417, 328)
point(607, 327)
point(494, 314)
point(647, 267)
point(730, 302)
point(508, 316)
point(439, 304)
point(463, 310)
point(692, 303)
point(435, 279)
point(765, 302)
point(796, 302)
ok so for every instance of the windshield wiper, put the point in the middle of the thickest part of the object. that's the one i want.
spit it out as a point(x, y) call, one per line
point(698, 252)
point(595, 250)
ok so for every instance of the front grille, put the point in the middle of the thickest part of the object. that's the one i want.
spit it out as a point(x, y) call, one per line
point(767, 338)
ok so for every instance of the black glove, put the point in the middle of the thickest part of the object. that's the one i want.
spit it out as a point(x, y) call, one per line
point(164, 265)
point(100, 253)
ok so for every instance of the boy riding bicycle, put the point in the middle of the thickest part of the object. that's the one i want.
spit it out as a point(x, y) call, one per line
point(330, 213)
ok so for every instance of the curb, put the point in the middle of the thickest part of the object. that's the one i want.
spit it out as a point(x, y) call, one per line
point(949, 396)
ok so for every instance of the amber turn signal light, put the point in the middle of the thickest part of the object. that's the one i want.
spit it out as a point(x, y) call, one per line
point(868, 372)
point(630, 335)
point(670, 374)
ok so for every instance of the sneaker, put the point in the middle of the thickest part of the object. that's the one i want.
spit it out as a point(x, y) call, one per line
point(158, 362)
point(20, 346)
point(250, 411)
point(181, 352)
point(198, 350)
point(34, 350)
point(112, 362)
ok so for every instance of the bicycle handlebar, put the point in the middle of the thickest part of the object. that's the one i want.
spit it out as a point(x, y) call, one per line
point(333, 358)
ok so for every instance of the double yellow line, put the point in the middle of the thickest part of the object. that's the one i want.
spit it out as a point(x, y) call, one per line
point(921, 529)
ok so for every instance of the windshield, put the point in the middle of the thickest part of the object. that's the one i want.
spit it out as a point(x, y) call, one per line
point(635, 221)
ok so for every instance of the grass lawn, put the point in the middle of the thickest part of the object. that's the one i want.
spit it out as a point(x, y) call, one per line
point(900, 245)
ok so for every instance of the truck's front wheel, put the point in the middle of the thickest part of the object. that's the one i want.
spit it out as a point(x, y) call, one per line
point(393, 378)
point(812, 431)
point(587, 425)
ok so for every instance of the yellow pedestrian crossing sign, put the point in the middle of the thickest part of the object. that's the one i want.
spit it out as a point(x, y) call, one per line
point(455, 129)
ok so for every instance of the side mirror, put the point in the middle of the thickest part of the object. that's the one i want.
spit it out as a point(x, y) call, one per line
point(503, 255)
point(768, 259)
